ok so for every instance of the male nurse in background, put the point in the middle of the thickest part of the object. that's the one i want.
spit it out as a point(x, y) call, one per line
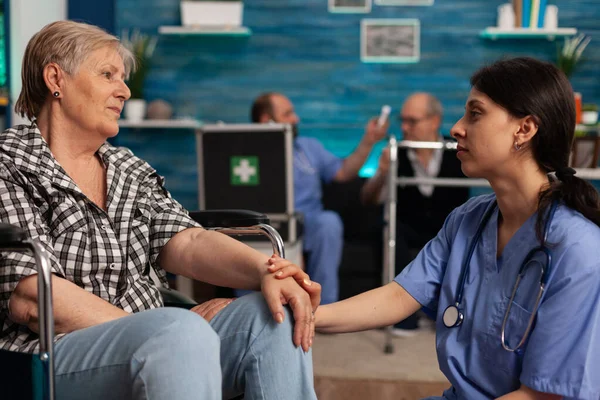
point(314, 165)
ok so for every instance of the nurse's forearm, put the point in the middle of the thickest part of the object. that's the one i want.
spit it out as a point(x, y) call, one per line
point(526, 393)
point(352, 163)
point(378, 307)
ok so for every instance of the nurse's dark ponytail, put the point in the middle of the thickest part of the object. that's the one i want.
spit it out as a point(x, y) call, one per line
point(576, 193)
point(526, 86)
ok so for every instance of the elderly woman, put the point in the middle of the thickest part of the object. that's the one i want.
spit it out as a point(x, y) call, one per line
point(514, 276)
point(106, 220)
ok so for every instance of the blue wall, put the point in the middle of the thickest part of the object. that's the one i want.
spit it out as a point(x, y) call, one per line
point(97, 13)
point(299, 48)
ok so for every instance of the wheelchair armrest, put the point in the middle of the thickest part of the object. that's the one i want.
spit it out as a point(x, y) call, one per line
point(13, 238)
point(173, 298)
point(228, 218)
point(10, 234)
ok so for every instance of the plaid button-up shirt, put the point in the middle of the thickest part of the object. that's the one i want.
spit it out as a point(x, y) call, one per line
point(108, 253)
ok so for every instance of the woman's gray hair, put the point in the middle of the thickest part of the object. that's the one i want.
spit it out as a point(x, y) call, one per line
point(66, 43)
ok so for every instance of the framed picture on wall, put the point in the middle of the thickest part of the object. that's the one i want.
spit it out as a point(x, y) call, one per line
point(390, 41)
point(350, 6)
point(404, 2)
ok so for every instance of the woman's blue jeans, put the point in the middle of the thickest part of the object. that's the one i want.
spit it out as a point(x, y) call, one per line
point(174, 354)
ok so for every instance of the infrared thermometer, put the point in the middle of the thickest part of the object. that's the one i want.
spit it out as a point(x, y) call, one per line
point(385, 113)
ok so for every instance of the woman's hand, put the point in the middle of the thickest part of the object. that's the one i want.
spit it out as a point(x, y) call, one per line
point(210, 308)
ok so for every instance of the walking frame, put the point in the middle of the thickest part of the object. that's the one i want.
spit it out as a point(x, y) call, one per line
point(390, 207)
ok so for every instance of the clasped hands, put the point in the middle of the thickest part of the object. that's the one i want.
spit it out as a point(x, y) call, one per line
point(299, 292)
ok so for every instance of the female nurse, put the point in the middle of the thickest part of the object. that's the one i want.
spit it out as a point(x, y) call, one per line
point(514, 276)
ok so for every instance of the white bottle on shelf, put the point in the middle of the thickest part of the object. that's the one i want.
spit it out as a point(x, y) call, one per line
point(506, 17)
point(551, 17)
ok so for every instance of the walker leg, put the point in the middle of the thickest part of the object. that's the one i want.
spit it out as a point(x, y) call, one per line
point(389, 346)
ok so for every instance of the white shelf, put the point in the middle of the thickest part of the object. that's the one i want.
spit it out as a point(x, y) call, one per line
point(587, 128)
point(588, 173)
point(162, 123)
point(494, 33)
point(205, 30)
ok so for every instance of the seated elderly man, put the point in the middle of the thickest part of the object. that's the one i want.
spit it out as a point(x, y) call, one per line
point(106, 220)
point(422, 209)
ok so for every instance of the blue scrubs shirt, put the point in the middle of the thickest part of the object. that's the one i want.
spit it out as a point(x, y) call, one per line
point(312, 164)
point(562, 353)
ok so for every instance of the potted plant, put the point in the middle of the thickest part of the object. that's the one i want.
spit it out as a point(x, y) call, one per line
point(142, 46)
point(570, 53)
point(211, 13)
point(589, 114)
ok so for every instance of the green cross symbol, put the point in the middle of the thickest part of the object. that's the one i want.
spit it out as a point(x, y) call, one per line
point(244, 171)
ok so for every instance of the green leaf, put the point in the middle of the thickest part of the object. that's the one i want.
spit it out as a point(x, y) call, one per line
point(142, 46)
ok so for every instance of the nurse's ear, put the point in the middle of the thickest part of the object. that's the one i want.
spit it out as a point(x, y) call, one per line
point(528, 128)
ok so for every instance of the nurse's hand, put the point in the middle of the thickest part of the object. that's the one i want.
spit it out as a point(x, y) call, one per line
point(374, 133)
point(526, 393)
point(283, 268)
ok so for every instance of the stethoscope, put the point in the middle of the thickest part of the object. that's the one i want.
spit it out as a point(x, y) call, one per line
point(453, 316)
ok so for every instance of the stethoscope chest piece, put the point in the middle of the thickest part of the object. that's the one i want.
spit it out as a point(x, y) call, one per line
point(452, 316)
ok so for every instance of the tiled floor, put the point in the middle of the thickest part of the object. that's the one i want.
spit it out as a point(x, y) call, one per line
point(354, 366)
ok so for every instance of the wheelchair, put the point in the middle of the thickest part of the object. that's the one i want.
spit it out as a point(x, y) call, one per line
point(31, 376)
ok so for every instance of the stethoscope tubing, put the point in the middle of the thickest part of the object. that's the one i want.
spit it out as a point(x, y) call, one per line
point(546, 271)
point(465, 267)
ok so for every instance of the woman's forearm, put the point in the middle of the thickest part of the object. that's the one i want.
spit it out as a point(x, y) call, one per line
point(378, 307)
point(214, 258)
point(73, 307)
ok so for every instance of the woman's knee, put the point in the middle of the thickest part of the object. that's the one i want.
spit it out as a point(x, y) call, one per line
point(185, 329)
point(251, 313)
point(186, 347)
point(122, 337)
point(271, 336)
point(249, 308)
point(262, 312)
point(162, 333)
point(150, 346)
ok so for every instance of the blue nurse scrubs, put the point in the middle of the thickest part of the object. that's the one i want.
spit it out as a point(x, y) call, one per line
point(562, 353)
point(323, 229)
